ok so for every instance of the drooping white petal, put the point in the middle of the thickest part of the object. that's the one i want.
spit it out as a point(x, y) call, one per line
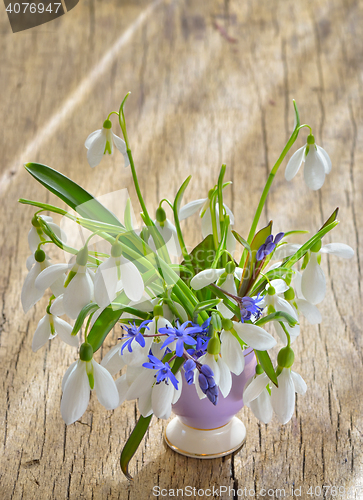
point(296, 283)
point(299, 383)
point(92, 137)
point(121, 146)
point(57, 307)
point(142, 383)
point(225, 378)
point(205, 278)
point(262, 408)
point(190, 208)
point(105, 283)
point(42, 333)
point(279, 285)
point(238, 273)
point(283, 396)
point(97, 148)
point(76, 394)
point(230, 287)
point(254, 388)
point(161, 398)
point(105, 387)
point(68, 372)
point(285, 306)
point(254, 336)
point(139, 354)
point(77, 294)
point(294, 332)
point(57, 231)
point(131, 279)
point(30, 261)
point(327, 160)
point(145, 404)
point(232, 353)
point(33, 239)
point(113, 361)
point(313, 284)
point(64, 330)
point(122, 387)
point(284, 251)
point(51, 274)
point(314, 170)
point(339, 249)
point(294, 163)
point(177, 392)
point(30, 294)
point(207, 227)
point(170, 237)
point(311, 312)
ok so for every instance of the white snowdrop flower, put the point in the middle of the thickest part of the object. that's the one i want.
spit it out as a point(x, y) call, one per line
point(232, 353)
point(77, 292)
point(317, 164)
point(109, 274)
point(284, 251)
point(221, 374)
point(30, 293)
point(82, 376)
point(36, 234)
point(283, 396)
point(168, 232)
point(257, 397)
point(50, 326)
point(313, 283)
point(297, 300)
point(101, 142)
point(273, 302)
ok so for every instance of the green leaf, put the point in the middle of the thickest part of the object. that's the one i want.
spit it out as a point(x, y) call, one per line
point(180, 194)
point(331, 219)
point(133, 443)
point(266, 363)
point(202, 256)
point(71, 193)
point(241, 240)
point(44, 206)
point(85, 311)
point(271, 275)
point(277, 316)
point(207, 304)
point(295, 231)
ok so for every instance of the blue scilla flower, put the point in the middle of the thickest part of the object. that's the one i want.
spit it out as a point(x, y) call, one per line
point(180, 334)
point(134, 333)
point(208, 384)
point(269, 246)
point(200, 347)
point(189, 367)
point(163, 371)
point(249, 307)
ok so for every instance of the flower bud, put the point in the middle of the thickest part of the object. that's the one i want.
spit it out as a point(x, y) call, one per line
point(289, 294)
point(259, 369)
point(82, 256)
point(116, 249)
point(86, 352)
point(271, 290)
point(227, 324)
point(216, 323)
point(107, 124)
point(160, 215)
point(158, 310)
point(316, 247)
point(39, 255)
point(214, 346)
point(230, 267)
point(35, 221)
point(285, 357)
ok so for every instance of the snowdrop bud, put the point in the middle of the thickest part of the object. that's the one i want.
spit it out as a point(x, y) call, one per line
point(214, 346)
point(86, 352)
point(316, 247)
point(82, 256)
point(39, 255)
point(216, 323)
point(271, 290)
point(230, 267)
point(289, 294)
point(116, 249)
point(259, 370)
point(158, 311)
point(227, 324)
point(160, 215)
point(285, 357)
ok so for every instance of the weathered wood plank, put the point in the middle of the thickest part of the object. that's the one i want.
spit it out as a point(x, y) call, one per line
point(211, 82)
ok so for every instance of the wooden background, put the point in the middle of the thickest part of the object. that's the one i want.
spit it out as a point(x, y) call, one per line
point(211, 82)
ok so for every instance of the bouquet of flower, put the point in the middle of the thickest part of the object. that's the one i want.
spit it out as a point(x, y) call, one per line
point(184, 317)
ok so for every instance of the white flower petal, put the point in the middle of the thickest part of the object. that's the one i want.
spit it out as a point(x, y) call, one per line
point(77, 294)
point(238, 273)
point(170, 236)
point(105, 387)
point(105, 283)
point(30, 261)
point(229, 213)
point(76, 394)
point(279, 285)
point(132, 280)
point(145, 404)
point(232, 353)
point(262, 408)
point(285, 250)
point(254, 336)
point(207, 227)
point(177, 392)
point(294, 163)
point(96, 149)
point(283, 396)
point(113, 361)
point(161, 398)
point(299, 383)
point(313, 284)
point(285, 306)
point(311, 312)
point(64, 330)
point(68, 372)
point(57, 308)
point(119, 143)
point(314, 170)
point(122, 387)
point(254, 388)
point(327, 160)
point(33, 239)
point(51, 274)
point(30, 294)
point(339, 249)
point(225, 378)
point(190, 208)
point(293, 332)
point(92, 137)
point(142, 383)
point(205, 278)
point(42, 333)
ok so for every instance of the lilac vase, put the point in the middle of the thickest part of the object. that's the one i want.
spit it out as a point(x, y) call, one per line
point(203, 430)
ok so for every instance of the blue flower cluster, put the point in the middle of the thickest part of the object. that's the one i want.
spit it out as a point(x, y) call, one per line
point(163, 371)
point(208, 384)
point(180, 334)
point(269, 246)
point(189, 367)
point(249, 307)
point(134, 333)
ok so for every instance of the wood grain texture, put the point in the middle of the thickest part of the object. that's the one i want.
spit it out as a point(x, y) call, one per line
point(211, 82)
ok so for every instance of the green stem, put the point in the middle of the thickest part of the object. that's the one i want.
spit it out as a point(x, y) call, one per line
point(212, 206)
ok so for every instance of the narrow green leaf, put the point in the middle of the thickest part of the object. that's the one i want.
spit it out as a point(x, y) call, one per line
point(180, 194)
point(71, 193)
point(295, 231)
point(44, 206)
point(207, 304)
point(277, 316)
point(133, 443)
point(266, 363)
point(241, 240)
point(331, 219)
point(85, 311)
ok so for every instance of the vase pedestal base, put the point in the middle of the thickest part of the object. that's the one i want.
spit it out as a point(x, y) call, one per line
point(205, 443)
